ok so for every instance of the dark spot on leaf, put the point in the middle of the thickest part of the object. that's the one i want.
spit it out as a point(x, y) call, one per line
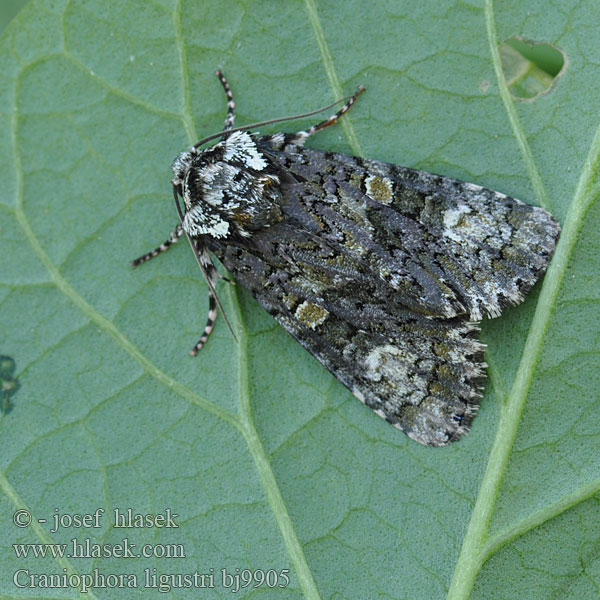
point(9, 384)
point(531, 68)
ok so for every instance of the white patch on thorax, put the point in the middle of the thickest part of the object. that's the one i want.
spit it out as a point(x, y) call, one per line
point(277, 139)
point(198, 223)
point(240, 146)
point(219, 229)
point(216, 178)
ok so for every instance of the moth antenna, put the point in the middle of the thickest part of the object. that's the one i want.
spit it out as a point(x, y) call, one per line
point(205, 274)
point(359, 91)
point(230, 118)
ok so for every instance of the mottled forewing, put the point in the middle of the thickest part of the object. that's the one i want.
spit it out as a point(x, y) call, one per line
point(448, 247)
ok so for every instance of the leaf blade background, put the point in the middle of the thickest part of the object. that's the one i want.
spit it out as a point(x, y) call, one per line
point(86, 166)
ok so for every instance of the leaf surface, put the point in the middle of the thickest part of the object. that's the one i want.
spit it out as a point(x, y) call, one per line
point(269, 462)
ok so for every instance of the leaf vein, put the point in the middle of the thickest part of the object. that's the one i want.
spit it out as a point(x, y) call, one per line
point(332, 75)
point(263, 463)
point(503, 537)
point(188, 121)
point(509, 105)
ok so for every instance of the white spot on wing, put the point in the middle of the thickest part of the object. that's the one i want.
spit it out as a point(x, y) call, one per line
point(452, 218)
point(390, 364)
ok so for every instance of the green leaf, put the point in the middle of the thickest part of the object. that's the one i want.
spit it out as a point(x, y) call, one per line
point(269, 462)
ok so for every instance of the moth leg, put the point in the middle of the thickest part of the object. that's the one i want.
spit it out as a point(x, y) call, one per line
point(213, 275)
point(210, 323)
point(229, 119)
point(173, 238)
point(280, 140)
point(333, 119)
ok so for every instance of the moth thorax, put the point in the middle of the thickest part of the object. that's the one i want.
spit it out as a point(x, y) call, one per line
point(224, 199)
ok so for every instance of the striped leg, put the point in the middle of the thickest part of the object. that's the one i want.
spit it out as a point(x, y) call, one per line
point(229, 119)
point(212, 275)
point(175, 235)
point(333, 119)
point(280, 140)
point(210, 323)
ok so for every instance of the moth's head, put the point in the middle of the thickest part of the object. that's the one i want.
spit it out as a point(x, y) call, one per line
point(228, 189)
point(181, 165)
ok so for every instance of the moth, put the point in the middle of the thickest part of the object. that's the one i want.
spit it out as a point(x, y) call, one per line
point(381, 272)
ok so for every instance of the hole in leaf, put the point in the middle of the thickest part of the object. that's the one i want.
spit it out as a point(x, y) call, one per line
point(530, 68)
